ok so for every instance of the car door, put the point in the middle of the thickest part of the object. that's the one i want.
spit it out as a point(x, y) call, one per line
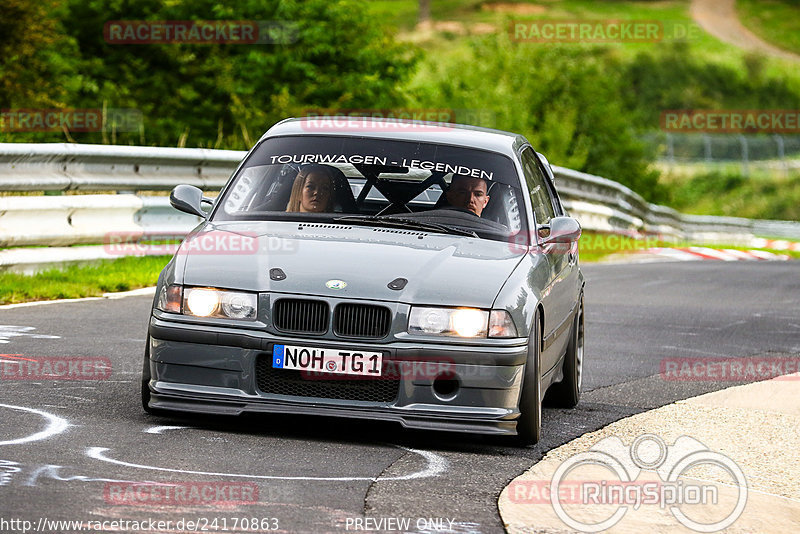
point(574, 281)
point(556, 297)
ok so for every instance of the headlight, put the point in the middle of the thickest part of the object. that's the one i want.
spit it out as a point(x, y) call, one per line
point(209, 302)
point(459, 322)
point(201, 302)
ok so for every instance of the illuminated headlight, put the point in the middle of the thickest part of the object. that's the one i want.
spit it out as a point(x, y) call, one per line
point(208, 302)
point(459, 322)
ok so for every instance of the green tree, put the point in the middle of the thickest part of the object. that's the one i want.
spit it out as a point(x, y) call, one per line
point(37, 60)
point(226, 95)
point(564, 99)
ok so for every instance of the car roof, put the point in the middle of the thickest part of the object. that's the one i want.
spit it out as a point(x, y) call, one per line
point(420, 131)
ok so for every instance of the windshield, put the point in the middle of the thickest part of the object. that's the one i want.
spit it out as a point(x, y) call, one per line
point(351, 180)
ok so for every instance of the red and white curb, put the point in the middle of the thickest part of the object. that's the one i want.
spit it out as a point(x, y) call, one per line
point(704, 253)
point(775, 244)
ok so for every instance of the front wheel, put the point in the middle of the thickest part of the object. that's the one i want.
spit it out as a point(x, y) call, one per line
point(567, 393)
point(529, 424)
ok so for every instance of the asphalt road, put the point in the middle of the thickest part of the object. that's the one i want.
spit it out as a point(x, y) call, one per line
point(75, 458)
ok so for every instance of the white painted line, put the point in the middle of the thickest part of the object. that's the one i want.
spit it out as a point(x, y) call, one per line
point(7, 331)
point(436, 465)
point(56, 425)
point(132, 293)
point(119, 295)
point(161, 429)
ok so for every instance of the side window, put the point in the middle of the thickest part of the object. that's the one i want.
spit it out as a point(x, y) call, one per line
point(537, 186)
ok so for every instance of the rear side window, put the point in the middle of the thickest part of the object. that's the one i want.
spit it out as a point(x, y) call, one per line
point(537, 186)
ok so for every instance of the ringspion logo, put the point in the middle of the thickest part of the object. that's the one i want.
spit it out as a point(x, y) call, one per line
point(592, 491)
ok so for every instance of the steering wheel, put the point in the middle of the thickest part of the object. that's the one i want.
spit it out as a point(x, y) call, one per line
point(462, 210)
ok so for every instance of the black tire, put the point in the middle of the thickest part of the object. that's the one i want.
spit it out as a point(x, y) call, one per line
point(529, 424)
point(567, 393)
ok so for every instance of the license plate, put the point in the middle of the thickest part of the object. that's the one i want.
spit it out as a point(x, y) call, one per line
point(344, 362)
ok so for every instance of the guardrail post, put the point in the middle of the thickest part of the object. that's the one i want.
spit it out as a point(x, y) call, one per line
point(745, 166)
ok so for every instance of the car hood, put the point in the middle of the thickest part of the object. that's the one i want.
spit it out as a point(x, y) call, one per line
point(440, 268)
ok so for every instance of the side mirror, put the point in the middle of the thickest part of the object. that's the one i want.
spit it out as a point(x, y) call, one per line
point(561, 230)
point(188, 199)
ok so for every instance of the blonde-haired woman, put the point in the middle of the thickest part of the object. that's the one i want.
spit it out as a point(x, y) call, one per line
point(312, 191)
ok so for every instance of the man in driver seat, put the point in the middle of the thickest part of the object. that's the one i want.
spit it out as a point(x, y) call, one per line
point(469, 193)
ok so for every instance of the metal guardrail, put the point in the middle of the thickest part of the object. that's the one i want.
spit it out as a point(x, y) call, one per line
point(71, 167)
point(629, 211)
point(599, 203)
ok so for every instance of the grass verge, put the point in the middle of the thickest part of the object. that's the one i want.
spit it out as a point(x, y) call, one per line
point(78, 281)
point(124, 274)
point(775, 21)
point(596, 246)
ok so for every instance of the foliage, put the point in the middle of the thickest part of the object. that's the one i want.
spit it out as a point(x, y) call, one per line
point(776, 21)
point(226, 95)
point(30, 45)
point(723, 193)
point(676, 77)
point(564, 99)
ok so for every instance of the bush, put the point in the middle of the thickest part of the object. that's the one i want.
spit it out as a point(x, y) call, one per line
point(564, 99)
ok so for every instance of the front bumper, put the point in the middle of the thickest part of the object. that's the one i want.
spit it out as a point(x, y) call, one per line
point(220, 370)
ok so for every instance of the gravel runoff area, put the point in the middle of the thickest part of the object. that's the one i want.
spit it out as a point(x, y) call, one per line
point(756, 425)
point(719, 18)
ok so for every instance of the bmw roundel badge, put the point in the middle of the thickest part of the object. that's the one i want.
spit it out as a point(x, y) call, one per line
point(336, 284)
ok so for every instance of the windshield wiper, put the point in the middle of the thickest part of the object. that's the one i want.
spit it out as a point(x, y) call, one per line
point(399, 222)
